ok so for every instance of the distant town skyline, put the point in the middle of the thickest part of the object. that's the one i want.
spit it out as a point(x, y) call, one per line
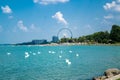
point(26, 20)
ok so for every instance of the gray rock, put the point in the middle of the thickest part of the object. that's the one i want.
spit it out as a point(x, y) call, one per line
point(111, 72)
point(96, 78)
point(100, 78)
point(108, 73)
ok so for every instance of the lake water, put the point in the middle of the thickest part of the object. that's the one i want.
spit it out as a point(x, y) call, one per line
point(56, 62)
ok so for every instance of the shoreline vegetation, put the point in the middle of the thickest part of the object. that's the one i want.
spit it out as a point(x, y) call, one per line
point(97, 38)
point(102, 37)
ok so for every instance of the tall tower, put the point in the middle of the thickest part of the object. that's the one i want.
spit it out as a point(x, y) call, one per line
point(55, 39)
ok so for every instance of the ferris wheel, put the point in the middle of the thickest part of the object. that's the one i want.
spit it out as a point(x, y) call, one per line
point(64, 33)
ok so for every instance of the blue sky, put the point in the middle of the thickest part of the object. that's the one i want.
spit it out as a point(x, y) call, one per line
point(25, 20)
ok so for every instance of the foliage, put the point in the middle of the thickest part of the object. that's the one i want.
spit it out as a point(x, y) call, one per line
point(115, 33)
point(98, 37)
point(64, 40)
point(101, 37)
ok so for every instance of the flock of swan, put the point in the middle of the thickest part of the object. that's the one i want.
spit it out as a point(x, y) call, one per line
point(27, 55)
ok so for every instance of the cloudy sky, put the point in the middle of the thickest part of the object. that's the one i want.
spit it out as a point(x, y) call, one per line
point(25, 20)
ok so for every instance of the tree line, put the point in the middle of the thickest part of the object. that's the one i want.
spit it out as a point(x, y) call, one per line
point(98, 37)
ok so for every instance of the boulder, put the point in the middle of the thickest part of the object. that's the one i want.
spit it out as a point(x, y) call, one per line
point(100, 78)
point(108, 73)
point(111, 72)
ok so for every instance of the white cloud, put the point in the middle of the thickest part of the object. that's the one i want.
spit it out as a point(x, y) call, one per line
point(117, 8)
point(118, 1)
point(46, 2)
point(21, 26)
point(59, 17)
point(87, 29)
point(35, 1)
point(88, 26)
point(109, 5)
point(106, 22)
point(33, 28)
point(96, 18)
point(114, 5)
point(109, 16)
point(6, 9)
point(10, 17)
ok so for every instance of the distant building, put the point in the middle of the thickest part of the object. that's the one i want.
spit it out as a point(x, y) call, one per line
point(55, 39)
point(43, 41)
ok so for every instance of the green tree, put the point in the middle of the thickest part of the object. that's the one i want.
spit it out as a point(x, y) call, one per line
point(115, 33)
point(70, 40)
point(89, 38)
point(63, 40)
point(82, 39)
point(101, 37)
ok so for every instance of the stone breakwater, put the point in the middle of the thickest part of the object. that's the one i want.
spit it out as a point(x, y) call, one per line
point(110, 74)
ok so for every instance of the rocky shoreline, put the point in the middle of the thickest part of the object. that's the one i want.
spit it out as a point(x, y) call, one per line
point(71, 44)
point(110, 74)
